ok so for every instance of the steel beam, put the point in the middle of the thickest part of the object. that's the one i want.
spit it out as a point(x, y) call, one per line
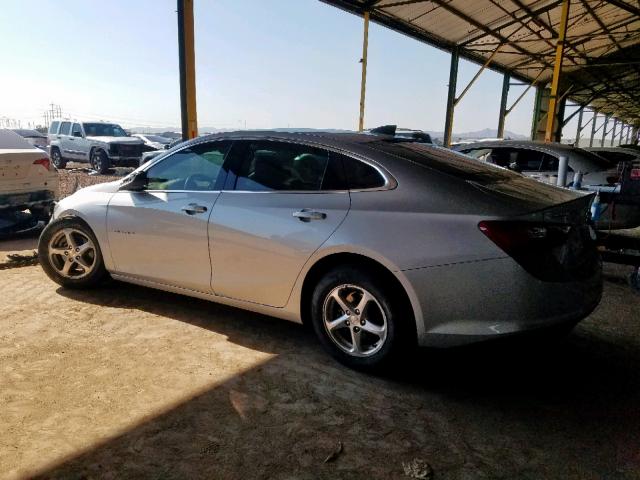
point(451, 98)
point(477, 75)
point(186, 55)
point(579, 129)
point(593, 128)
point(557, 70)
point(503, 104)
point(604, 129)
point(613, 134)
point(363, 80)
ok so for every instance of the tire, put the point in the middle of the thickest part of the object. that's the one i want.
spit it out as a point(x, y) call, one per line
point(56, 158)
point(100, 161)
point(65, 266)
point(384, 314)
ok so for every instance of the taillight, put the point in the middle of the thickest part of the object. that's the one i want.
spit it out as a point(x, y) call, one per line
point(635, 174)
point(550, 252)
point(45, 162)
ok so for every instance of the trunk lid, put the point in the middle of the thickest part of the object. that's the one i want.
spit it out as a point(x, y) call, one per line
point(15, 164)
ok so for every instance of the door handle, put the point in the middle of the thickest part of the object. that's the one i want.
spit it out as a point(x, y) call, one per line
point(306, 215)
point(194, 208)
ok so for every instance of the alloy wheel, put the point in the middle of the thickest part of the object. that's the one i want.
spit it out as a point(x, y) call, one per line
point(72, 253)
point(354, 320)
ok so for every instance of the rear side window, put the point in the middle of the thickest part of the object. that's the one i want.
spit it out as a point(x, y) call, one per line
point(53, 128)
point(265, 165)
point(65, 128)
point(360, 175)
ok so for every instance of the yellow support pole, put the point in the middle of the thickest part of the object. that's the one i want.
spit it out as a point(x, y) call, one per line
point(363, 82)
point(186, 50)
point(557, 70)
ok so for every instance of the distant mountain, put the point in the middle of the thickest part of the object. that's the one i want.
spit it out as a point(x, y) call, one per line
point(484, 133)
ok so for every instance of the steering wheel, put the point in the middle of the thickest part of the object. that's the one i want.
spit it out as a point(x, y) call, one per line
point(190, 182)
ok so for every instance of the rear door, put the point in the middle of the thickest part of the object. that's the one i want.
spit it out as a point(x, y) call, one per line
point(81, 144)
point(66, 145)
point(283, 201)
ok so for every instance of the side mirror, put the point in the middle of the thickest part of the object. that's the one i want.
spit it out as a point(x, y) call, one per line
point(135, 183)
point(77, 134)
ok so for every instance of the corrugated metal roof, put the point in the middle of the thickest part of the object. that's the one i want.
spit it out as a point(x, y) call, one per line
point(602, 51)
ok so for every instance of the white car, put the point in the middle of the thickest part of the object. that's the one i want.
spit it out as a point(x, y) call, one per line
point(28, 180)
point(156, 142)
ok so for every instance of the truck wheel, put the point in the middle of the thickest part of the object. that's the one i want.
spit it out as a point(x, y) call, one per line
point(56, 158)
point(100, 162)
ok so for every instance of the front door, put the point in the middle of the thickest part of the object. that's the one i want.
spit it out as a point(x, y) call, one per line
point(160, 234)
point(285, 202)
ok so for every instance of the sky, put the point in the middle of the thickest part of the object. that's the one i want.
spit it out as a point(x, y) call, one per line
point(259, 64)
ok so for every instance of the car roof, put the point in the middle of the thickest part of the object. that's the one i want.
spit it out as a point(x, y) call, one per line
point(328, 138)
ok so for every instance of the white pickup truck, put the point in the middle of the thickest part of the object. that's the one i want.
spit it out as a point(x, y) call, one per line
point(28, 180)
point(100, 144)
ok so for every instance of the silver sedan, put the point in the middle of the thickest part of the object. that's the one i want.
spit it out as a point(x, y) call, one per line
point(379, 243)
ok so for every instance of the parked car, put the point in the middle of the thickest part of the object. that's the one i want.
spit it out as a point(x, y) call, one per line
point(372, 240)
point(34, 137)
point(540, 161)
point(148, 156)
point(153, 142)
point(615, 155)
point(100, 144)
point(28, 180)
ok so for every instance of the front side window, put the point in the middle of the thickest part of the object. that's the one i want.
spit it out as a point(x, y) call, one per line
point(197, 168)
point(53, 128)
point(65, 128)
point(270, 165)
point(76, 131)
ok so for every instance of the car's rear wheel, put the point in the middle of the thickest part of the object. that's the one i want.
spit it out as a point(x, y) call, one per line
point(70, 255)
point(358, 321)
point(99, 161)
point(56, 158)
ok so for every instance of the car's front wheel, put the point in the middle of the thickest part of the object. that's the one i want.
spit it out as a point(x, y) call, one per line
point(359, 319)
point(56, 158)
point(70, 255)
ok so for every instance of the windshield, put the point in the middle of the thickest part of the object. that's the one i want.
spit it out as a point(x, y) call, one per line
point(104, 130)
point(158, 138)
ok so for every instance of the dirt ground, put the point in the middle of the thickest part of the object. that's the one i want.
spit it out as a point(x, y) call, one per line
point(128, 382)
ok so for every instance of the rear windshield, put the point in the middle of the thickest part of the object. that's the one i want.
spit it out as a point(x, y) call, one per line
point(597, 161)
point(445, 161)
point(488, 178)
point(28, 133)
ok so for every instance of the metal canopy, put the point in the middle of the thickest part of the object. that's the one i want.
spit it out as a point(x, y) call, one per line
point(602, 46)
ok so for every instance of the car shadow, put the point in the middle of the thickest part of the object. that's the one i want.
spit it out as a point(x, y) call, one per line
point(537, 408)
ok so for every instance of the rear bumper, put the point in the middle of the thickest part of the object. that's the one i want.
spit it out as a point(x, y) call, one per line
point(619, 216)
point(22, 201)
point(472, 302)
